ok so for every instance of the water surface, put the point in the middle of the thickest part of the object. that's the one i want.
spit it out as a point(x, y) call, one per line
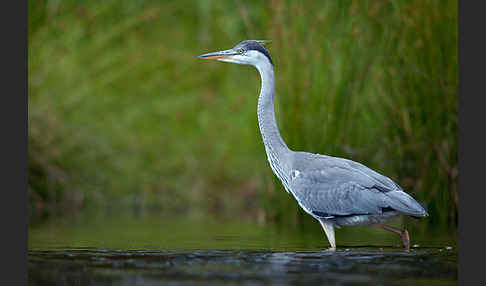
point(155, 250)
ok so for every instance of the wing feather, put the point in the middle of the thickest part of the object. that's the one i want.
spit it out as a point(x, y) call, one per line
point(340, 187)
point(335, 193)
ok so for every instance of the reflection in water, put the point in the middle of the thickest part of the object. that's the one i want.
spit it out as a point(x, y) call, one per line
point(368, 266)
point(151, 250)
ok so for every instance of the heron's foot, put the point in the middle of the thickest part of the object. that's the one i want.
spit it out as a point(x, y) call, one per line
point(405, 239)
point(333, 249)
point(402, 232)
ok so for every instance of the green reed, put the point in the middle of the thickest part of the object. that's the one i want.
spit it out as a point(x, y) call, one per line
point(121, 111)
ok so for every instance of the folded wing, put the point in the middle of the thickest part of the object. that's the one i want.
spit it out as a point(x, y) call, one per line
point(340, 187)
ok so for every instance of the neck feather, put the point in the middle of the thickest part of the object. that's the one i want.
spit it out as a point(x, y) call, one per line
point(274, 145)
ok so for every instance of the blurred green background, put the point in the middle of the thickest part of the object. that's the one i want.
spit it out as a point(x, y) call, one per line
point(124, 116)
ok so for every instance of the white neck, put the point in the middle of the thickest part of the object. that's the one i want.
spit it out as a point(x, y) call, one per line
point(275, 147)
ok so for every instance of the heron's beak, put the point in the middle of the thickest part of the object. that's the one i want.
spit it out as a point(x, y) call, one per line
point(218, 55)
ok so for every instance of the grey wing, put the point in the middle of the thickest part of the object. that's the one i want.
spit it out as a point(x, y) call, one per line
point(340, 189)
point(381, 181)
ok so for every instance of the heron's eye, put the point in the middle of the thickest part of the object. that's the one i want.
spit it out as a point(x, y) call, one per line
point(240, 51)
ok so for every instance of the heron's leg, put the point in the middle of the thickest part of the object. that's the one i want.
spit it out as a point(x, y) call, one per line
point(402, 232)
point(329, 230)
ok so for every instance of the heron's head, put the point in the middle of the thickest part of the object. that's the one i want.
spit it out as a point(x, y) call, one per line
point(248, 52)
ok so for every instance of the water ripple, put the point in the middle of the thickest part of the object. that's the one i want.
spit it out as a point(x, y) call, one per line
point(363, 265)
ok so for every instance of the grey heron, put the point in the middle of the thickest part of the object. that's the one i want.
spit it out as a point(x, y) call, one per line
point(335, 191)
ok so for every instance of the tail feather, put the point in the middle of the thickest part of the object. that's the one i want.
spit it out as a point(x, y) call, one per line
point(404, 203)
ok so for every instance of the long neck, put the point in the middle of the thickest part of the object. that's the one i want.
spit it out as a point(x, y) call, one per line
point(274, 145)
